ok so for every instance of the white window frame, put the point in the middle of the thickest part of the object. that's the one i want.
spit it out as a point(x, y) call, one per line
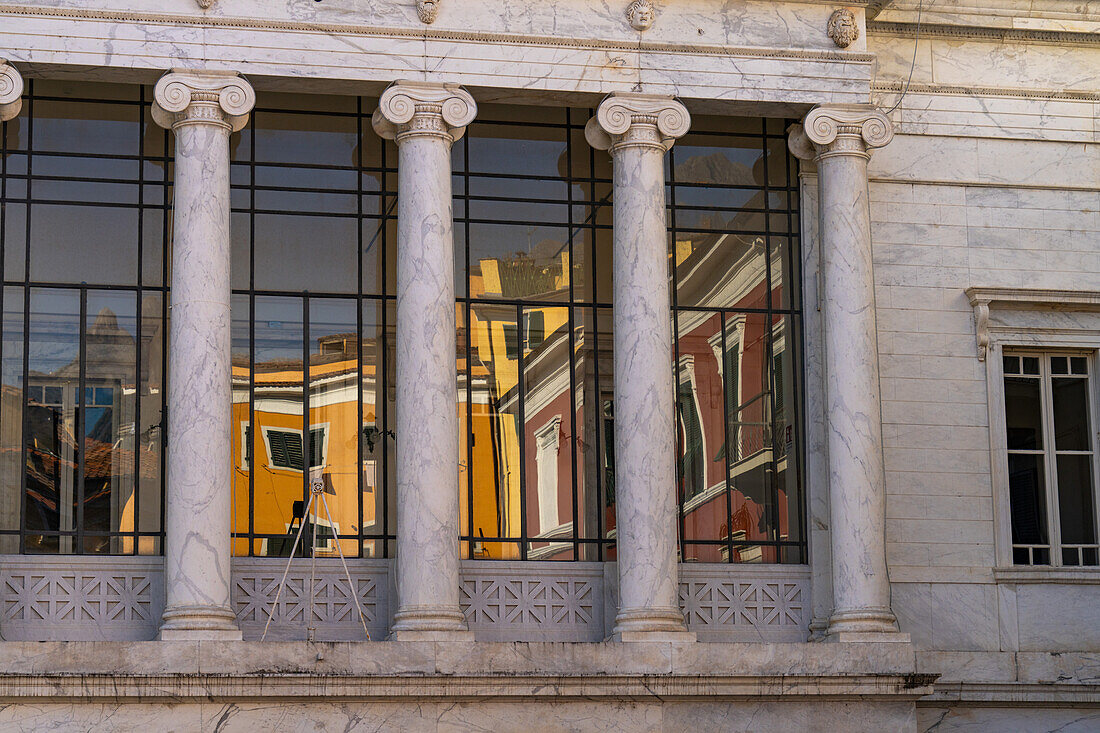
point(1049, 454)
point(1024, 319)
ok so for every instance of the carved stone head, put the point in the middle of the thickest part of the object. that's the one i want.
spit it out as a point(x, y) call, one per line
point(427, 9)
point(843, 28)
point(641, 14)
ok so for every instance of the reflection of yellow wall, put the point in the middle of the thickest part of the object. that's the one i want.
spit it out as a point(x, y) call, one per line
point(488, 339)
point(334, 405)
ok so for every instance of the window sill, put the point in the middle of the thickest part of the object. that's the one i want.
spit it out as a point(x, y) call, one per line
point(1036, 575)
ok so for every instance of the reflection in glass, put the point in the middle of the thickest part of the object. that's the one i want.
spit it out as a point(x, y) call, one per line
point(334, 421)
point(11, 419)
point(51, 428)
point(548, 431)
point(277, 448)
point(107, 423)
point(495, 475)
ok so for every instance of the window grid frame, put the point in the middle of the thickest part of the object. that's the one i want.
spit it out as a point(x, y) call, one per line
point(1049, 453)
point(27, 284)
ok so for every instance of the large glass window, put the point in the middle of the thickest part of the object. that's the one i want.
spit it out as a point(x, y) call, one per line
point(733, 213)
point(1052, 477)
point(314, 215)
point(532, 214)
point(84, 184)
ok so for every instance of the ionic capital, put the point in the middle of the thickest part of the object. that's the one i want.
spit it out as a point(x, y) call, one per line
point(421, 109)
point(625, 119)
point(221, 98)
point(11, 91)
point(847, 129)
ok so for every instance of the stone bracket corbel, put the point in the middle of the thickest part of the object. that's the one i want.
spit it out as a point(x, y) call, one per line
point(981, 323)
point(984, 299)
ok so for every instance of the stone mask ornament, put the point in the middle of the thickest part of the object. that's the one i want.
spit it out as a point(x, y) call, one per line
point(641, 14)
point(427, 9)
point(843, 28)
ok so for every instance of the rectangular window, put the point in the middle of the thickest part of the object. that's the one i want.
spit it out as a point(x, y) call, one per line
point(1051, 445)
point(285, 448)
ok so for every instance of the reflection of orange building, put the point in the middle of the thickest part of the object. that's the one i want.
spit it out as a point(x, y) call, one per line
point(273, 454)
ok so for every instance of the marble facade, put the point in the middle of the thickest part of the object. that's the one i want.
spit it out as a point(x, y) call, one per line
point(951, 206)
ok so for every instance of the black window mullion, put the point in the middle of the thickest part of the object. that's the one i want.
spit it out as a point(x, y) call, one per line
point(81, 416)
point(138, 314)
point(570, 341)
point(521, 432)
point(359, 303)
point(307, 438)
point(254, 433)
point(25, 427)
point(727, 388)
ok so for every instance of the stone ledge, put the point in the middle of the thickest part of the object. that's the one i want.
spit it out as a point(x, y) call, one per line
point(302, 670)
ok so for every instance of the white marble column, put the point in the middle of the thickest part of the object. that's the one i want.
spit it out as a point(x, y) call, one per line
point(425, 120)
point(202, 109)
point(638, 130)
point(840, 138)
point(11, 91)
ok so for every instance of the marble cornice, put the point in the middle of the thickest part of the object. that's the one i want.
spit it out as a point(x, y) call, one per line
point(976, 91)
point(594, 44)
point(983, 33)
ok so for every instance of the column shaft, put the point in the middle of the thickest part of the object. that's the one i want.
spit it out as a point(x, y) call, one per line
point(638, 130)
point(425, 120)
point(199, 474)
point(843, 136)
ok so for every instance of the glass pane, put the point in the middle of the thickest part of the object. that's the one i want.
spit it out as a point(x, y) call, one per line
point(277, 434)
point(378, 428)
point(701, 439)
point(523, 150)
point(1023, 414)
point(1078, 365)
point(1027, 495)
point(1011, 364)
point(719, 160)
point(1076, 512)
point(109, 407)
point(1031, 365)
point(241, 436)
point(1071, 413)
point(495, 470)
point(311, 139)
point(87, 127)
point(150, 434)
point(752, 497)
point(786, 429)
point(11, 418)
point(596, 369)
point(720, 270)
point(315, 253)
point(90, 244)
point(52, 445)
point(334, 420)
point(517, 261)
point(1059, 365)
point(548, 428)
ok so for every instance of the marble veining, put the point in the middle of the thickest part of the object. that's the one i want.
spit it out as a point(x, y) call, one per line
point(637, 130)
point(425, 120)
point(202, 109)
point(842, 137)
